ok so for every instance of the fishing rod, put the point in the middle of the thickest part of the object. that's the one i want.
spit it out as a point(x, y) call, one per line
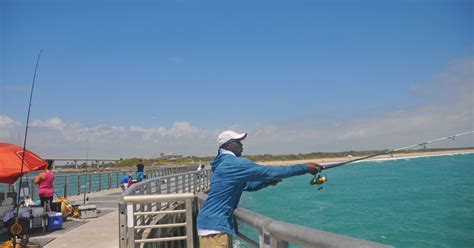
point(16, 228)
point(319, 179)
point(26, 129)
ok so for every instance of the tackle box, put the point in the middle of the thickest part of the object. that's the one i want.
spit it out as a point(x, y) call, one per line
point(87, 211)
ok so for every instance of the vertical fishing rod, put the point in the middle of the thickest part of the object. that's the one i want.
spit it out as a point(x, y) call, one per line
point(320, 179)
point(26, 129)
point(16, 228)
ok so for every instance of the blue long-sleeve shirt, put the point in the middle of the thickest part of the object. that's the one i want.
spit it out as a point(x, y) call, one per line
point(232, 175)
point(125, 179)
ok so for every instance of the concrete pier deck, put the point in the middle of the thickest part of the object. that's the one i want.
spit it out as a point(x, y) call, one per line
point(94, 232)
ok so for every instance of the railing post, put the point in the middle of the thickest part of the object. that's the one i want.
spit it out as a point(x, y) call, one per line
point(66, 186)
point(185, 183)
point(90, 183)
point(158, 206)
point(177, 185)
point(148, 192)
point(123, 228)
point(131, 221)
point(261, 239)
point(109, 181)
point(117, 180)
point(32, 190)
point(168, 185)
point(79, 184)
point(189, 223)
point(100, 182)
point(190, 182)
point(195, 182)
point(275, 243)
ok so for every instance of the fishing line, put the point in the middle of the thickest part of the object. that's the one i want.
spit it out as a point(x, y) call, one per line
point(11, 136)
point(19, 137)
point(319, 179)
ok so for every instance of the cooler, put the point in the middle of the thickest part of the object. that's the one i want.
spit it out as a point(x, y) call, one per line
point(55, 221)
point(87, 211)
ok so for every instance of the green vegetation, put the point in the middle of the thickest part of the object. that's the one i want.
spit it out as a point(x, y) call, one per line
point(130, 162)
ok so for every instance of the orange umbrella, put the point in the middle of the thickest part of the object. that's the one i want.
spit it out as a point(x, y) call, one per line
point(10, 162)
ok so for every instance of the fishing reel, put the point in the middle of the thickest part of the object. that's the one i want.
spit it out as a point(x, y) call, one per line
point(318, 179)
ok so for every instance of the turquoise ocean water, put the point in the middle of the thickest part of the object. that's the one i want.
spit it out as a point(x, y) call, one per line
point(414, 202)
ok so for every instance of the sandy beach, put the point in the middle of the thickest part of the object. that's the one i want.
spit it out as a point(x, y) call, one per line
point(398, 155)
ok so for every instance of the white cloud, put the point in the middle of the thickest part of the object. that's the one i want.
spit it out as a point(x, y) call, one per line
point(449, 112)
point(180, 129)
point(9, 131)
point(54, 123)
point(54, 138)
point(7, 122)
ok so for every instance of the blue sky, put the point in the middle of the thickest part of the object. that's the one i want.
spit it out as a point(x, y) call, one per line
point(137, 78)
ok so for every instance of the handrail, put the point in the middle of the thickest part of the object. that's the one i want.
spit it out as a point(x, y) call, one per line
point(78, 183)
point(305, 236)
point(186, 223)
point(280, 234)
point(157, 198)
point(142, 200)
point(148, 207)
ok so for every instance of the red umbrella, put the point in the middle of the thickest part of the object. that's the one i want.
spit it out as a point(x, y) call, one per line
point(10, 162)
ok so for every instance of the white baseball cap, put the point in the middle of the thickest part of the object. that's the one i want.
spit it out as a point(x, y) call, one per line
point(225, 136)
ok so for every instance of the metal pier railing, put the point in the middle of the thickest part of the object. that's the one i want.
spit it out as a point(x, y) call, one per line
point(147, 219)
point(152, 212)
point(179, 218)
point(78, 183)
point(278, 234)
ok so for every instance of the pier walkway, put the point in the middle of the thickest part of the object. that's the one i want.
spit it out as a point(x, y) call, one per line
point(102, 231)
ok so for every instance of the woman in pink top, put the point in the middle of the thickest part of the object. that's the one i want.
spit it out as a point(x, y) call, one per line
point(45, 180)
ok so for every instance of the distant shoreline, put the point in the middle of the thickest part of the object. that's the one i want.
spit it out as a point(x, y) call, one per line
point(382, 157)
point(289, 162)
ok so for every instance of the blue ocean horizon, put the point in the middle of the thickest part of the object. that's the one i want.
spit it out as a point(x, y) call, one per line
point(406, 202)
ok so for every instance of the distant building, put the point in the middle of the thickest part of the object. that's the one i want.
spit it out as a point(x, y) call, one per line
point(170, 157)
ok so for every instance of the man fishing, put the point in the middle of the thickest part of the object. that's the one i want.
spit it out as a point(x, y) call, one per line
point(125, 180)
point(140, 174)
point(231, 175)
